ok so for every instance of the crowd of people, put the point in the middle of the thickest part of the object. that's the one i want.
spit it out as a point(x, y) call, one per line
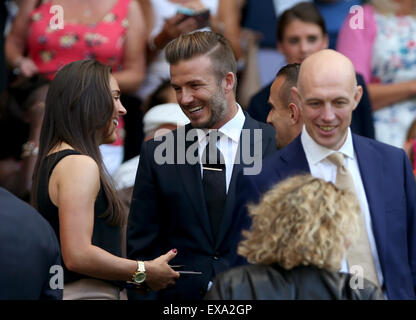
point(195, 149)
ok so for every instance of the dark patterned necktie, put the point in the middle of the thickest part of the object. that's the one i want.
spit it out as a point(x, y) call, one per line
point(213, 181)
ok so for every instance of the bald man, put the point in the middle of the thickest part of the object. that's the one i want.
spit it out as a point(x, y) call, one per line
point(326, 94)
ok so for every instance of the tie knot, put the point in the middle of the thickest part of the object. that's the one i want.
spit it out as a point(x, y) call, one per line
point(212, 154)
point(337, 158)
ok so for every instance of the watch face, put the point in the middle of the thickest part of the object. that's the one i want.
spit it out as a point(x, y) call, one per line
point(139, 277)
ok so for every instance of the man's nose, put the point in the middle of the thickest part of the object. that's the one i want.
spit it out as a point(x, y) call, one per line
point(185, 97)
point(328, 113)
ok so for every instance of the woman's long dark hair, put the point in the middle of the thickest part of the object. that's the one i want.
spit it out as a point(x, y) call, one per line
point(79, 107)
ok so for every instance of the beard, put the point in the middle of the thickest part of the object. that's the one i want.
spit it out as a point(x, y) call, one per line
point(218, 106)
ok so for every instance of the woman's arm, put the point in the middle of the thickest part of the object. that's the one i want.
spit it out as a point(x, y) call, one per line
point(132, 74)
point(227, 23)
point(147, 10)
point(16, 40)
point(383, 95)
point(357, 44)
point(73, 186)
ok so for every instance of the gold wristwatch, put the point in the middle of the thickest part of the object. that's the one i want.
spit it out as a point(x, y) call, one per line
point(140, 275)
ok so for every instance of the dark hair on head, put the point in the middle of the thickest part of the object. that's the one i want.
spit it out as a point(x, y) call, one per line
point(290, 72)
point(214, 45)
point(305, 12)
point(78, 110)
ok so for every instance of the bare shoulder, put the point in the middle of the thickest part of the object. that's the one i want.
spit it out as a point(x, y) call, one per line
point(75, 176)
point(78, 163)
point(77, 169)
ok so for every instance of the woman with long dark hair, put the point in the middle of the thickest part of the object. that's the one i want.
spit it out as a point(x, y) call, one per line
point(71, 188)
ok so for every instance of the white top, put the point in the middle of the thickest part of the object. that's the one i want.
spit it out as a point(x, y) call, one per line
point(321, 167)
point(227, 144)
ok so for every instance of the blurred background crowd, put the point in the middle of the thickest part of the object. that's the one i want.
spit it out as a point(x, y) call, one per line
point(130, 36)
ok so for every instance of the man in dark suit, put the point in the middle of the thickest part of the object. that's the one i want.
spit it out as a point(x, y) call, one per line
point(182, 199)
point(385, 186)
point(30, 259)
point(301, 31)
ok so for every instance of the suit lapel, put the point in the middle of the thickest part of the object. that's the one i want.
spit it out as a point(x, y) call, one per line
point(293, 159)
point(370, 166)
point(190, 175)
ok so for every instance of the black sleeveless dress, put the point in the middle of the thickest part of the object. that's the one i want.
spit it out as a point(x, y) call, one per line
point(104, 236)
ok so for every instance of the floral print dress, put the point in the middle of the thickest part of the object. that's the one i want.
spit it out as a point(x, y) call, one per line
point(51, 48)
point(393, 61)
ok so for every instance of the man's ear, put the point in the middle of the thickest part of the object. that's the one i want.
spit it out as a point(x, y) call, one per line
point(294, 113)
point(228, 82)
point(358, 95)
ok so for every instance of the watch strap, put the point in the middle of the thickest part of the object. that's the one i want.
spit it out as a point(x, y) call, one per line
point(140, 266)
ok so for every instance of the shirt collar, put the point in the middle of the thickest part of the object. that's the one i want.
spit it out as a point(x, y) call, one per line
point(232, 129)
point(315, 153)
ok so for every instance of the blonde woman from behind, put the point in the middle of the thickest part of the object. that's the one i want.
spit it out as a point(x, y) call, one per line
point(300, 233)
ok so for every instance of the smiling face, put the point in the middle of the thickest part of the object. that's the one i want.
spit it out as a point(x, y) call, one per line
point(301, 39)
point(200, 94)
point(327, 94)
point(119, 110)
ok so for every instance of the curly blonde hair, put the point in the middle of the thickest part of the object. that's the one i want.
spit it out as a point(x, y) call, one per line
point(302, 221)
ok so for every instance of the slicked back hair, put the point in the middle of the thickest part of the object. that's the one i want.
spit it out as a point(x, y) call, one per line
point(290, 72)
point(211, 44)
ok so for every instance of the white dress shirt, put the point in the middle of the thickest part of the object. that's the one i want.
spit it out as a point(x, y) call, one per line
point(227, 144)
point(321, 167)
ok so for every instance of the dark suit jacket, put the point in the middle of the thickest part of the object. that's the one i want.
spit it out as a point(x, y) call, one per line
point(391, 194)
point(362, 117)
point(28, 249)
point(168, 211)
